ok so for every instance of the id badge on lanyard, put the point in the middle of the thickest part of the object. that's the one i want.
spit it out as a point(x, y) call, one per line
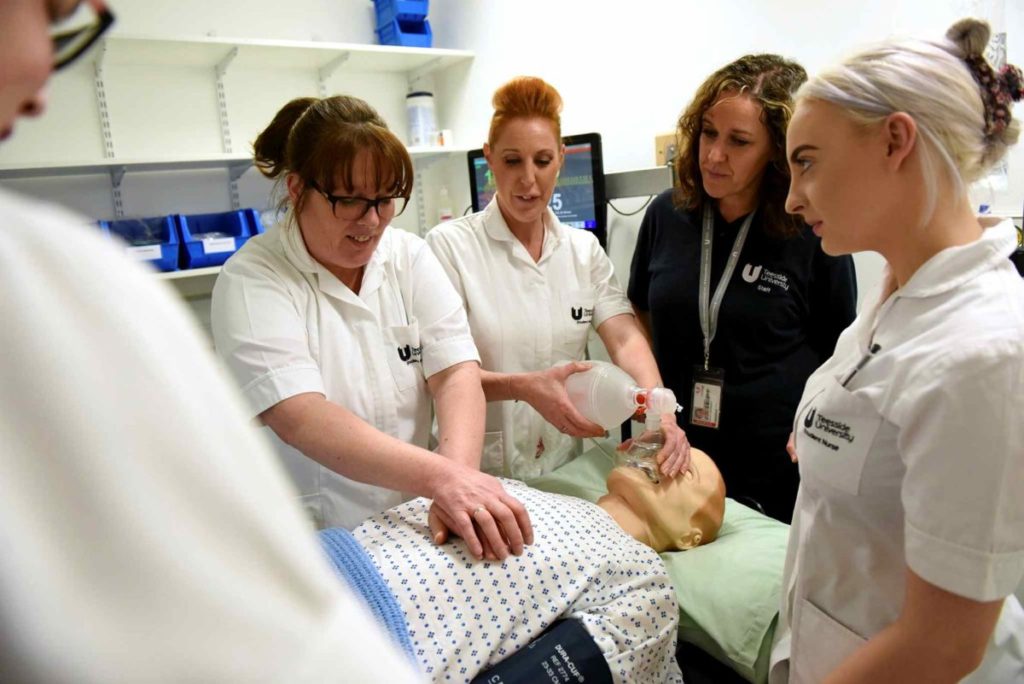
point(708, 381)
point(706, 407)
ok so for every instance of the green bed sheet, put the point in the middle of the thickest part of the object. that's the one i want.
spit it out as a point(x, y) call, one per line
point(728, 590)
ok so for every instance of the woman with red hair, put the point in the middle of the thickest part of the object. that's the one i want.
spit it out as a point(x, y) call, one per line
point(521, 274)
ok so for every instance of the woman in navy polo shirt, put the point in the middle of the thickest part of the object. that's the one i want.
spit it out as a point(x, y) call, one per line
point(774, 304)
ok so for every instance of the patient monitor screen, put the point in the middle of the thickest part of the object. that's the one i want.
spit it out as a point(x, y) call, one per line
point(578, 199)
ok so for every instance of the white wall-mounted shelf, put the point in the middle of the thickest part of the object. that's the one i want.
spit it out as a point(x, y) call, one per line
point(209, 51)
point(196, 282)
point(143, 105)
point(103, 166)
point(218, 161)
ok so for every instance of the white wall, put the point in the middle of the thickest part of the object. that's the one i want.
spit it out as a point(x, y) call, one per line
point(624, 70)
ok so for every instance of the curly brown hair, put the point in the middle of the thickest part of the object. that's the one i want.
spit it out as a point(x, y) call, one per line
point(772, 81)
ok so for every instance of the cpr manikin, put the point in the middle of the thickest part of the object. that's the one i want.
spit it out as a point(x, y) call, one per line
point(508, 605)
point(465, 617)
point(673, 514)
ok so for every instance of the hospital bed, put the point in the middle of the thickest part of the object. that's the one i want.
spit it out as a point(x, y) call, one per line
point(728, 590)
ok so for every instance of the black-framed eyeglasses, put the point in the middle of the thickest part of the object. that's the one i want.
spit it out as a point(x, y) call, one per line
point(355, 208)
point(76, 33)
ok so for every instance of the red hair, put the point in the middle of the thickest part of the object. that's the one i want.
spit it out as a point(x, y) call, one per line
point(525, 97)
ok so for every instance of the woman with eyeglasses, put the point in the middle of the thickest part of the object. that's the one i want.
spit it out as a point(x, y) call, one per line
point(342, 332)
point(147, 532)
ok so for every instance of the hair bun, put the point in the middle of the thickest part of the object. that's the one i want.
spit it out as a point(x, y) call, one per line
point(970, 35)
point(1014, 81)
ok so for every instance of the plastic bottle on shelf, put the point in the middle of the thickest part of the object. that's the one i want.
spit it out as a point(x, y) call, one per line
point(419, 107)
point(444, 205)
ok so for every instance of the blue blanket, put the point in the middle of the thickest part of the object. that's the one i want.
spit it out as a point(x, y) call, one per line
point(356, 568)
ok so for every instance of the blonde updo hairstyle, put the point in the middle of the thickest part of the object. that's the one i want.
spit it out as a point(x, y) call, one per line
point(319, 138)
point(930, 81)
point(525, 97)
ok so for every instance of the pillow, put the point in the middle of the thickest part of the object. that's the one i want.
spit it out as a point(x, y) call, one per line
point(728, 590)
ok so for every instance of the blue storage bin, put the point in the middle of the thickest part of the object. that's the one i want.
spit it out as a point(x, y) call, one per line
point(404, 10)
point(406, 33)
point(153, 240)
point(255, 222)
point(209, 239)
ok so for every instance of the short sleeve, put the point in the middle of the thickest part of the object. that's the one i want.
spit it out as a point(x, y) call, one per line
point(437, 307)
point(260, 333)
point(962, 441)
point(833, 301)
point(611, 300)
point(640, 269)
point(440, 245)
point(143, 518)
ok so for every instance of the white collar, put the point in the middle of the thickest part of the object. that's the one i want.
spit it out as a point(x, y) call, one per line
point(296, 252)
point(954, 266)
point(497, 229)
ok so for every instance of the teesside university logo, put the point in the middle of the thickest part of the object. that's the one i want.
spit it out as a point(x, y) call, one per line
point(808, 419)
point(765, 280)
point(410, 354)
point(826, 429)
point(581, 314)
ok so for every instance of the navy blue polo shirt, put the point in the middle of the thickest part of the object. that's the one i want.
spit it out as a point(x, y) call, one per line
point(785, 305)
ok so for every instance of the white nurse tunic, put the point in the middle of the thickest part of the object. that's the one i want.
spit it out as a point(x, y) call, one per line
point(916, 459)
point(146, 533)
point(287, 326)
point(527, 316)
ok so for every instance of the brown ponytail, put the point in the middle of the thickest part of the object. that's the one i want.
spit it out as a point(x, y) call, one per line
point(319, 139)
point(270, 145)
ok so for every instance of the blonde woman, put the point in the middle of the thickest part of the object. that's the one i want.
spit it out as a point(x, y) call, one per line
point(908, 537)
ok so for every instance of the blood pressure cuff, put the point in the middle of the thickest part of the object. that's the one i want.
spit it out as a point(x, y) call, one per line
point(564, 653)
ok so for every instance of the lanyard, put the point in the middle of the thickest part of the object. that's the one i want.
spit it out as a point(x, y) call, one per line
point(709, 314)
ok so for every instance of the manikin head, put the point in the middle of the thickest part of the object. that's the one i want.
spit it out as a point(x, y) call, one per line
point(673, 515)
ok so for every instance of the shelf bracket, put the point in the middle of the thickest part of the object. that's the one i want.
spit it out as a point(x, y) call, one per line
point(116, 176)
point(327, 70)
point(220, 70)
point(236, 171)
point(425, 69)
point(106, 130)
